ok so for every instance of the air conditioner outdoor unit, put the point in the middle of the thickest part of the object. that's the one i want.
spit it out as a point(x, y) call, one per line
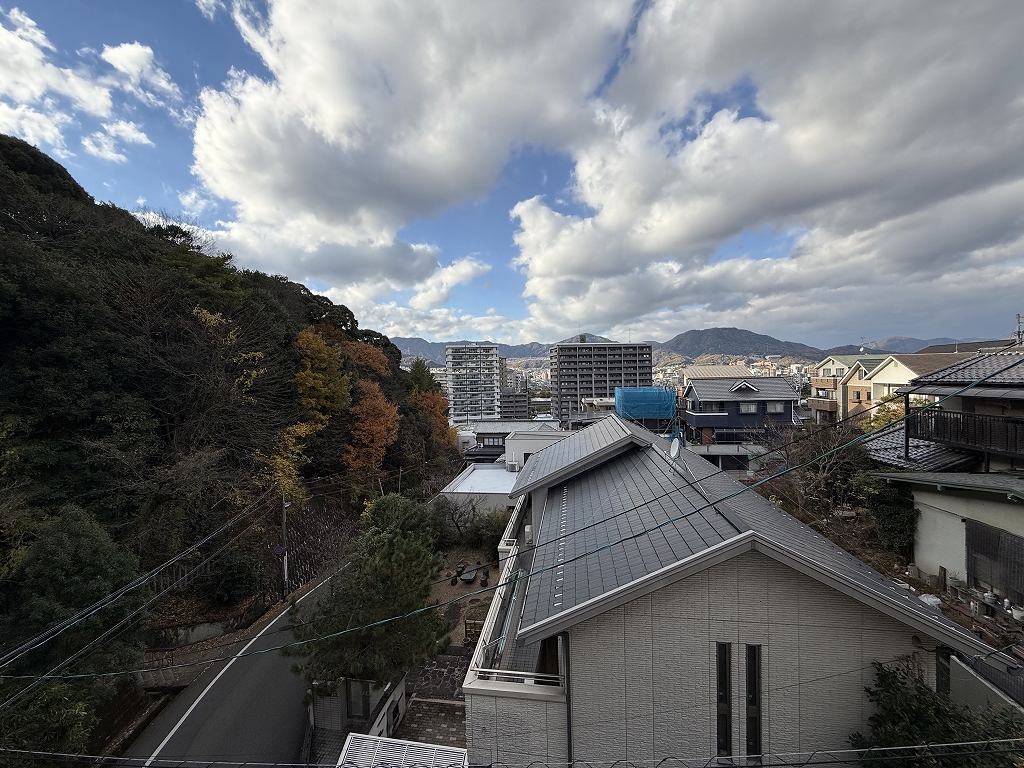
point(512, 466)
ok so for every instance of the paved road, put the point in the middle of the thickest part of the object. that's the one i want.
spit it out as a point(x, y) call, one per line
point(245, 709)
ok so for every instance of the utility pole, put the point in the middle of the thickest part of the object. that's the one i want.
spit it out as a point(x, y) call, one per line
point(284, 547)
point(1020, 330)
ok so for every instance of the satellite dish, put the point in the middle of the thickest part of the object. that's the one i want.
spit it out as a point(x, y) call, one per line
point(673, 449)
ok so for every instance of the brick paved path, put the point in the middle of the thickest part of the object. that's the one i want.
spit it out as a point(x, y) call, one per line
point(434, 722)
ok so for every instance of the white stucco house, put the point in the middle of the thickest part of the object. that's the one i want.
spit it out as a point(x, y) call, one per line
point(651, 607)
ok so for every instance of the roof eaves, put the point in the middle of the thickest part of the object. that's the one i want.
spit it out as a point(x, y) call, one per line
point(941, 484)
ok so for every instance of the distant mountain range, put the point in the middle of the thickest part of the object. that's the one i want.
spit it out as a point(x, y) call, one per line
point(690, 344)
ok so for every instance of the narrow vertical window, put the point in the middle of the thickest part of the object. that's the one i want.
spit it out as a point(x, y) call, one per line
point(753, 700)
point(724, 698)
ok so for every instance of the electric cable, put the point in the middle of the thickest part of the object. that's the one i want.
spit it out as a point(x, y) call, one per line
point(642, 532)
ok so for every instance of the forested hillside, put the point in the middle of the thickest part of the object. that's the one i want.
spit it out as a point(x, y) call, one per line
point(148, 392)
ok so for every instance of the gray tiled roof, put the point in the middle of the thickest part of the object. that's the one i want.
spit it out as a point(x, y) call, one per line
point(992, 482)
point(768, 388)
point(608, 434)
point(629, 493)
point(926, 456)
point(714, 371)
point(976, 367)
point(599, 503)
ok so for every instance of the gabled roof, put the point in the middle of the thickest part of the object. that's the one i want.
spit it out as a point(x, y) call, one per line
point(867, 363)
point(920, 364)
point(846, 360)
point(975, 367)
point(505, 426)
point(714, 371)
point(766, 388)
point(639, 520)
point(1008, 486)
point(570, 455)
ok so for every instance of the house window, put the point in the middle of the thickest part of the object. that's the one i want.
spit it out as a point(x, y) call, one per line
point(856, 395)
point(840, 371)
point(827, 372)
point(494, 441)
point(724, 699)
point(748, 407)
point(776, 407)
point(753, 700)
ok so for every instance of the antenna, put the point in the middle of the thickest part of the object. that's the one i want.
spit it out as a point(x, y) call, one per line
point(1020, 330)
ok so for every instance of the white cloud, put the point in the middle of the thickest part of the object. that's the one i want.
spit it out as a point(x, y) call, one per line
point(33, 126)
point(209, 8)
point(127, 131)
point(103, 146)
point(139, 75)
point(437, 288)
point(194, 202)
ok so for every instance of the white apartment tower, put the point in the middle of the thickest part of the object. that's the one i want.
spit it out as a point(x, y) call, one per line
point(474, 381)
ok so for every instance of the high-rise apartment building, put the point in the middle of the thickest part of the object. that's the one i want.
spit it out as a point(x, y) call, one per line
point(474, 381)
point(594, 369)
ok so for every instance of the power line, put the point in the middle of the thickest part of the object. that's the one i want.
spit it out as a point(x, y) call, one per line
point(57, 629)
point(643, 532)
point(534, 572)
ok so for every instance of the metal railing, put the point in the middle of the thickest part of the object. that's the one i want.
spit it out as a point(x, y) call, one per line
point(512, 676)
point(999, 434)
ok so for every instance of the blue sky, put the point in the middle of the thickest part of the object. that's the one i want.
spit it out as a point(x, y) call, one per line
point(519, 174)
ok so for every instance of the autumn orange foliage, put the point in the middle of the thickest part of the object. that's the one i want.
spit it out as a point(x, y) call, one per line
point(375, 429)
point(434, 405)
point(366, 356)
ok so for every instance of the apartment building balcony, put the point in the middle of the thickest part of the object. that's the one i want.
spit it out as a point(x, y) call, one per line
point(974, 431)
point(823, 404)
point(824, 382)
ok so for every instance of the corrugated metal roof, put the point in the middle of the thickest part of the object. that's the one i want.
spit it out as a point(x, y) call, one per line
point(767, 388)
point(362, 751)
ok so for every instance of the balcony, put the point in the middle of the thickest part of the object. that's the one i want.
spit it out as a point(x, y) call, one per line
point(995, 434)
point(822, 404)
point(706, 419)
point(824, 382)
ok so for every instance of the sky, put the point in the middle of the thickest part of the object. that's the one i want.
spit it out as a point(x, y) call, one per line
point(819, 172)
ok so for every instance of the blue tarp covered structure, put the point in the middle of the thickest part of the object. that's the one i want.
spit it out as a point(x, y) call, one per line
point(645, 402)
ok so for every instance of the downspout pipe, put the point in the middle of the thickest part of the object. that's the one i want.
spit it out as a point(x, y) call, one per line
point(564, 637)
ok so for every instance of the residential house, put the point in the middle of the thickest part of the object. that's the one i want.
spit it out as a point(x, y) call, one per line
point(737, 410)
point(482, 487)
point(984, 415)
point(970, 529)
point(896, 371)
point(854, 391)
point(826, 397)
point(491, 434)
point(651, 607)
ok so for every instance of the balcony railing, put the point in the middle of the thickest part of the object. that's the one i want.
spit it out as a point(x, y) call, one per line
point(998, 434)
point(824, 382)
point(822, 404)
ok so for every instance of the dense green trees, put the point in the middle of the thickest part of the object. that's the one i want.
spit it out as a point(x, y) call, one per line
point(388, 572)
point(149, 390)
point(910, 712)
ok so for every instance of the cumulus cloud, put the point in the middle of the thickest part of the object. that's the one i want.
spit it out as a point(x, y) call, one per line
point(40, 100)
point(891, 135)
point(139, 75)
